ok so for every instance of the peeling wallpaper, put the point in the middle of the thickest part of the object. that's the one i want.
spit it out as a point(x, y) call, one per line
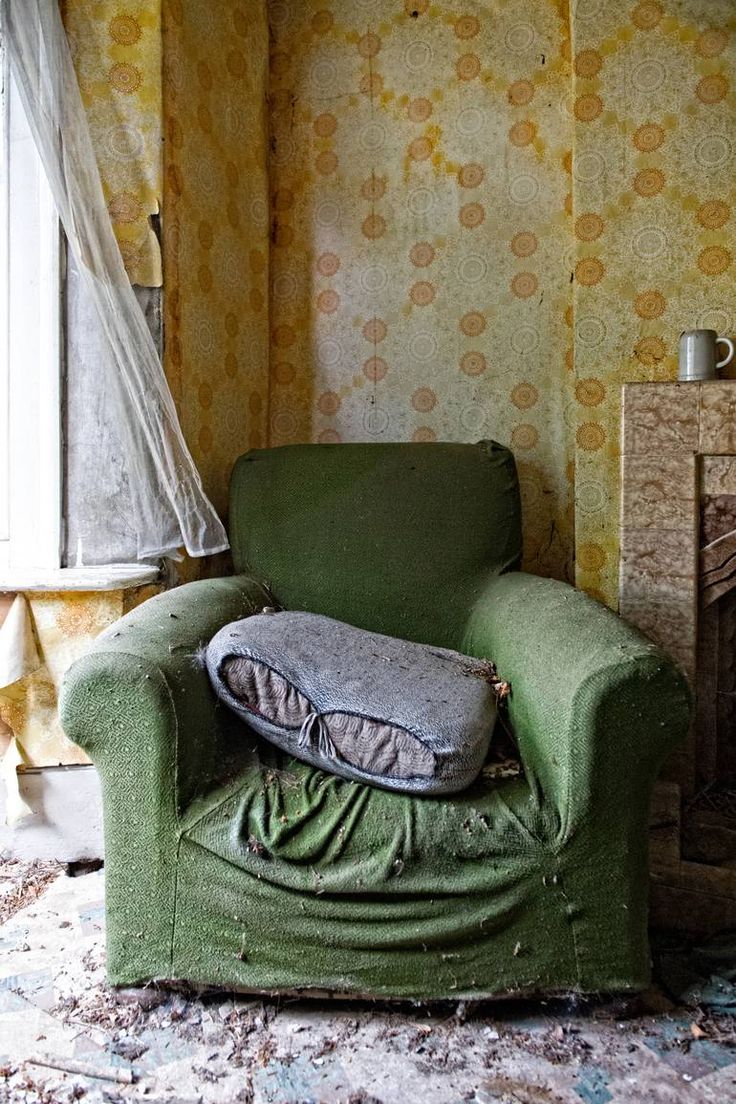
point(64, 626)
point(446, 221)
point(117, 51)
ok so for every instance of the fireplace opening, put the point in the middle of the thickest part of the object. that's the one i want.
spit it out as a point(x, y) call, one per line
point(709, 816)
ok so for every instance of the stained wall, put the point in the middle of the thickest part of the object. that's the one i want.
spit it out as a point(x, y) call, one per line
point(422, 234)
point(216, 229)
point(472, 226)
point(407, 221)
point(449, 189)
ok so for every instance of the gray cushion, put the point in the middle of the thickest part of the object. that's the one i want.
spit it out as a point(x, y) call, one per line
point(364, 706)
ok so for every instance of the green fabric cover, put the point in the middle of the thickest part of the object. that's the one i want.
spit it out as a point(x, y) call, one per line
point(374, 534)
point(229, 863)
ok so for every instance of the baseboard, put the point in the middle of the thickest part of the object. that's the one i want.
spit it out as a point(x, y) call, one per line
point(66, 816)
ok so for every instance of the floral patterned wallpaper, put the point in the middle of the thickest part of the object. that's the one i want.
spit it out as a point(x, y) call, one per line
point(422, 232)
point(448, 221)
point(117, 51)
point(654, 182)
point(216, 225)
point(431, 257)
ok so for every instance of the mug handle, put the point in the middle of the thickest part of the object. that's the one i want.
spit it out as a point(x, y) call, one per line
point(729, 356)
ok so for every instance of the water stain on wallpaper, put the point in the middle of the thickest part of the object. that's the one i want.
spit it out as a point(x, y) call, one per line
point(399, 243)
point(420, 234)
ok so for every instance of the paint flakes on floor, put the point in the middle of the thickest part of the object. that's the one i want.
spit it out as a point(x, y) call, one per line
point(157, 1045)
point(21, 883)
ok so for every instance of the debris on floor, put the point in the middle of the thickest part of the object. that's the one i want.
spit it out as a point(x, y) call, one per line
point(22, 882)
point(65, 1036)
point(704, 975)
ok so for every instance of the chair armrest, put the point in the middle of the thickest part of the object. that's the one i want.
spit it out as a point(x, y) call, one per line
point(141, 704)
point(595, 707)
point(140, 701)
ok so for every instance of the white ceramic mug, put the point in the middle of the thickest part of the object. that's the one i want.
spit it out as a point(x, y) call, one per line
point(698, 355)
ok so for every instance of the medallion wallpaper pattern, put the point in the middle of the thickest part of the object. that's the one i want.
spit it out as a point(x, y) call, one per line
point(117, 51)
point(460, 224)
point(417, 220)
point(654, 180)
point(421, 230)
point(476, 228)
point(216, 230)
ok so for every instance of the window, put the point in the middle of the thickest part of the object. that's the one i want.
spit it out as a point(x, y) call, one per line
point(31, 257)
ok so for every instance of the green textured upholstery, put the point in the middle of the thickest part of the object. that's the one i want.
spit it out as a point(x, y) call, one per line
point(376, 534)
point(228, 863)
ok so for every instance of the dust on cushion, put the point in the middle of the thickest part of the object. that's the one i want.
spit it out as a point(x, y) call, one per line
point(362, 705)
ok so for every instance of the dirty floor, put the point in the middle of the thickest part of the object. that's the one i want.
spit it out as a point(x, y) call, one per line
point(179, 1048)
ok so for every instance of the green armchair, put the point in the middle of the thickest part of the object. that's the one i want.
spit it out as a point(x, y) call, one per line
point(228, 863)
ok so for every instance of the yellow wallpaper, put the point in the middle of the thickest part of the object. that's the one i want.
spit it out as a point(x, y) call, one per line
point(216, 229)
point(422, 230)
point(64, 626)
point(421, 234)
point(470, 229)
point(654, 189)
point(421, 243)
point(117, 55)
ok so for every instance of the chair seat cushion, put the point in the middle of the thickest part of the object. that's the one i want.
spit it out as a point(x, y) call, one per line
point(361, 705)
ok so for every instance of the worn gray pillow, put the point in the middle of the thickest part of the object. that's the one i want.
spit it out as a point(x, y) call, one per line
point(358, 704)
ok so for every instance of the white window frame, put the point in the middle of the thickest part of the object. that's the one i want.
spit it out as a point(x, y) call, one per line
point(31, 258)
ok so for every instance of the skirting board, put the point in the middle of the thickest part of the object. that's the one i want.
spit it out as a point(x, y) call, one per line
point(66, 816)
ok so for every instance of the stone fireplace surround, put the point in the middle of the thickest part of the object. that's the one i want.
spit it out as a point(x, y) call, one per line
point(678, 568)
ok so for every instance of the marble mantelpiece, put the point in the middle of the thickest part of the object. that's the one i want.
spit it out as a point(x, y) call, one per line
point(678, 455)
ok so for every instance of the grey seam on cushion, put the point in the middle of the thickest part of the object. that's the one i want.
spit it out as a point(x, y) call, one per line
point(367, 776)
point(426, 706)
point(315, 725)
point(270, 667)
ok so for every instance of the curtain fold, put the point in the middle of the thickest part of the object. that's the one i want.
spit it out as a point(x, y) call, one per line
point(170, 506)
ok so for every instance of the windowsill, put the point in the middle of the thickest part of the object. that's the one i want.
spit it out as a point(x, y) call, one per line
point(97, 577)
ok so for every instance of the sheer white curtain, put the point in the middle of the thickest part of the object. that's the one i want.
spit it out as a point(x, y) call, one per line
point(170, 506)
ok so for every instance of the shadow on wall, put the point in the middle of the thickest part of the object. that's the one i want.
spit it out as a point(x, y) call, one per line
point(420, 282)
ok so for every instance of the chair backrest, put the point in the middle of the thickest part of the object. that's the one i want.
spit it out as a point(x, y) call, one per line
point(391, 537)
